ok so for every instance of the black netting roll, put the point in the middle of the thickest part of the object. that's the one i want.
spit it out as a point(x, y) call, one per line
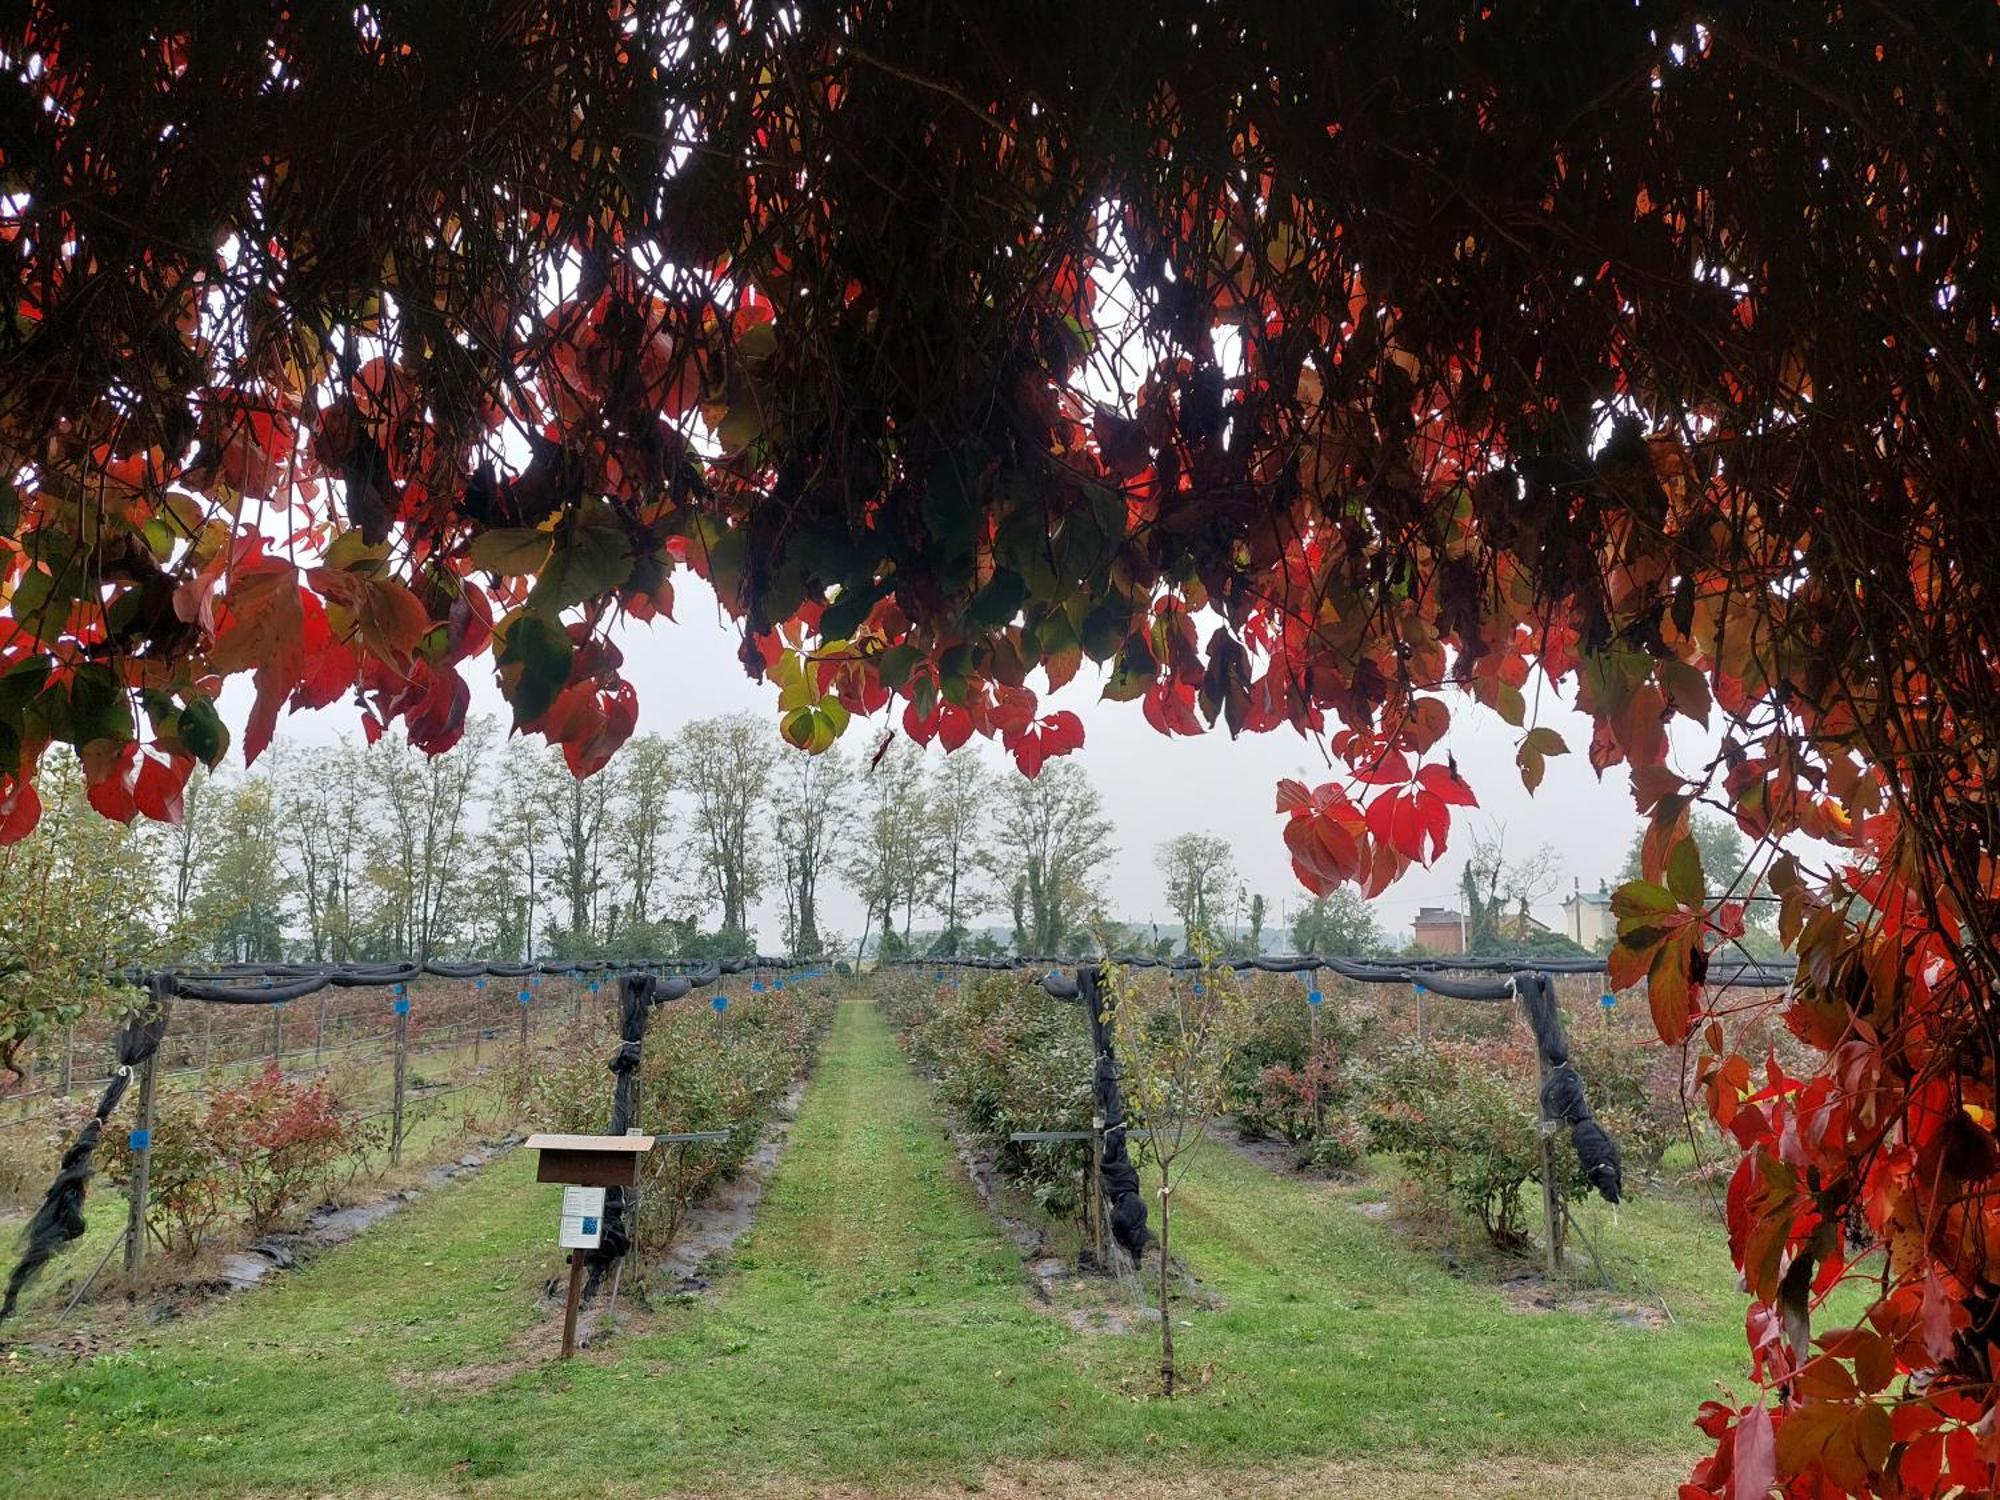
point(1563, 1099)
point(1120, 1177)
point(637, 995)
point(59, 1220)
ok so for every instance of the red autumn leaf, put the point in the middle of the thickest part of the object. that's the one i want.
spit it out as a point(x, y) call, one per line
point(1447, 785)
point(1754, 1466)
point(20, 811)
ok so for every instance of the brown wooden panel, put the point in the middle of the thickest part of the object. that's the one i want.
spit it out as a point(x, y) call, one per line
point(589, 1168)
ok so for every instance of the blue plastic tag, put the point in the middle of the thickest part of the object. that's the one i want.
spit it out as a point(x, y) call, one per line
point(1417, 987)
point(526, 996)
point(139, 1140)
point(402, 1006)
point(479, 984)
point(590, 1224)
point(779, 981)
point(720, 1003)
point(1200, 988)
point(593, 986)
point(1608, 1000)
point(756, 986)
point(1314, 997)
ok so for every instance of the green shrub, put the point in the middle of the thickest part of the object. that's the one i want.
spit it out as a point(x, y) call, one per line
point(1462, 1120)
point(262, 1149)
point(1005, 1058)
point(700, 1071)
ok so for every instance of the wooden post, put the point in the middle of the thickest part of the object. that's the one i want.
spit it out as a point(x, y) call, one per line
point(319, 1028)
point(1423, 1019)
point(142, 1158)
point(277, 1035)
point(576, 1259)
point(525, 1008)
point(478, 1019)
point(207, 1037)
point(402, 1075)
point(1093, 1197)
point(1551, 1208)
point(69, 1049)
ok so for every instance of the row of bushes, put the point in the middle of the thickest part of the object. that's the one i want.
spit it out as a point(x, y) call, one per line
point(1005, 1057)
point(702, 1070)
point(1335, 1082)
point(257, 1151)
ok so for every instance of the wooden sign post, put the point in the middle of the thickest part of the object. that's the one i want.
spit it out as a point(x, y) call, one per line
point(586, 1165)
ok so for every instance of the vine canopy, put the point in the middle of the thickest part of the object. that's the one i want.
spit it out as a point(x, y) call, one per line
point(1292, 361)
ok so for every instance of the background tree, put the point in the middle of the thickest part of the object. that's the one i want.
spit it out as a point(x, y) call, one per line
point(894, 865)
point(1499, 893)
point(242, 898)
point(1258, 912)
point(1050, 839)
point(643, 820)
point(1199, 871)
point(810, 815)
point(77, 896)
point(320, 816)
point(580, 815)
point(725, 768)
point(960, 793)
point(422, 846)
point(1338, 924)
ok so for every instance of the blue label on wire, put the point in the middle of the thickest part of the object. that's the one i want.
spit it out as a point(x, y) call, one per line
point(756, 986)
point(479, 984)
point(402, 1006)
point(721, 1003)
point(1314, 997)
point(1608, 1000)
point(526, 996)
point(139, 1140)
point(589, 1224)
point(780, 981)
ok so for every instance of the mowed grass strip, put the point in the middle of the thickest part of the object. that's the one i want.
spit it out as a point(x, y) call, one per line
point(876, 1334)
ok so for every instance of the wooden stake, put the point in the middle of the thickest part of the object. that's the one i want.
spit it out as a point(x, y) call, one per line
point(575, 1301)
point(142, 1160)
point(402, 1075)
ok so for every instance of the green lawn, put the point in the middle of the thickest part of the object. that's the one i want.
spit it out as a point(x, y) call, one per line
point(876, 1332)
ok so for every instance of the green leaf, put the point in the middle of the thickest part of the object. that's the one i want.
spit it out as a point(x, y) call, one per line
point(1638, 902)
point(1001, 599)
point(98, 707)
point(1684, 876)
point(895, 665)
point(534, 665)
point(588, 564)
point(511, 551)
point(202, 732)
point(844, 616)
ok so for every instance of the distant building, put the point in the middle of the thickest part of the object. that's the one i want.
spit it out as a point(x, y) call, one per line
point(1439, 929)
point(1587, 918)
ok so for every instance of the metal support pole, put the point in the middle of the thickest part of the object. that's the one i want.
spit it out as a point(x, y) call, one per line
point(142, 1159)
point(207, 1037)
point(69, 1049)
point(277, 1035)
point(319, 1029)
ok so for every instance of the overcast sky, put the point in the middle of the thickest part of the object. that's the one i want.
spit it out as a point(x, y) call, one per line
point(1153, 787)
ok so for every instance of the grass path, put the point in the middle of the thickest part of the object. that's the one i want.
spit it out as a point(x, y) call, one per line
point(876, 1332)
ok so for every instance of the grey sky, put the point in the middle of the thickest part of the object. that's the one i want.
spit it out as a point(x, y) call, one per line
point(1153, 787)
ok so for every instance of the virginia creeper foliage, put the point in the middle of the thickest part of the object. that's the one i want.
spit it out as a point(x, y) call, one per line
point(1644, 346)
